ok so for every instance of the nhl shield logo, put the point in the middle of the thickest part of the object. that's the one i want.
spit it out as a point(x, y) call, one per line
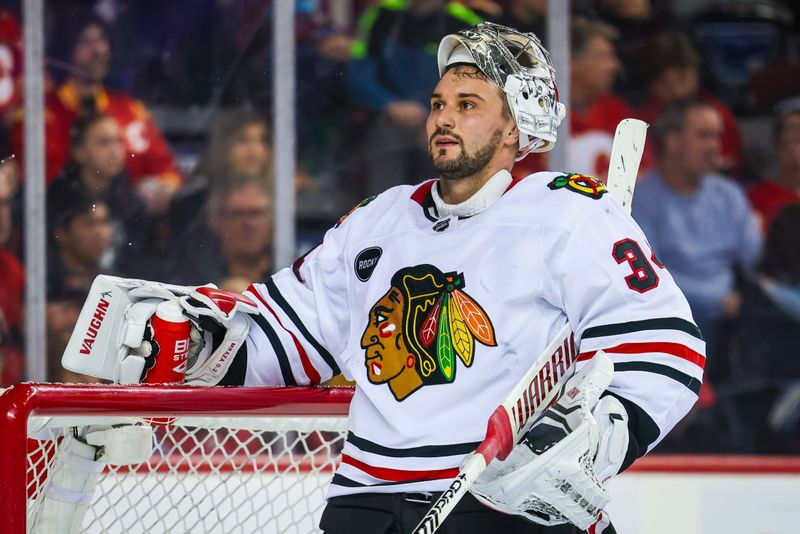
point(366, 261)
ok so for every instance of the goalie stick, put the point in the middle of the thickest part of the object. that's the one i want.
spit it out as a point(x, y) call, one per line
point(539, 388)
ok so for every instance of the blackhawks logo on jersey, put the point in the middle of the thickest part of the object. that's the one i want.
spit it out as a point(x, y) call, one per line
point(588, 186)
point(420, 327)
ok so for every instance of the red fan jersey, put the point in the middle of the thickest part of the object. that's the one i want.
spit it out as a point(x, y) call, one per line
point(10, 60)
point(768, 198)
point(148, 153)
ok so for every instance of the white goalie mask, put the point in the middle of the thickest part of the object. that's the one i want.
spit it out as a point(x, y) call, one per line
point(520, 65)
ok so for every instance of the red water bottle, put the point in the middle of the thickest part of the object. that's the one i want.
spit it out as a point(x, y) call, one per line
point(171, 344)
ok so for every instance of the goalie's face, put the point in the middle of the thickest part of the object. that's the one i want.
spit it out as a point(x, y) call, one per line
point(469, 127)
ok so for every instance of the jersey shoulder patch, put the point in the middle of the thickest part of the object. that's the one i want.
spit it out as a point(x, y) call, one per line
point(585, 185)
point(354, 208)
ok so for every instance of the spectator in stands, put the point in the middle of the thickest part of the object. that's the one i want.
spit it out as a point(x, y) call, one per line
point(80, 240)
point(97, 170)
point(771, 196)
point(239, 149)
point(240, 217)
point(699, 223)
point(672, 73)
point(768, 335)
point(12, 274)
point(594, 110)
point(239, 145)
point(392, 73)
point(636, 21)
point(150, 163)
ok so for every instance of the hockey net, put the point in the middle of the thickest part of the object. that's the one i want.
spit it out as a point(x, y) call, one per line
point(233, 460)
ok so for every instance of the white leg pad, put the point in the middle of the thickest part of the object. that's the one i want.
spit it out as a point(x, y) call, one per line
point(69, 489)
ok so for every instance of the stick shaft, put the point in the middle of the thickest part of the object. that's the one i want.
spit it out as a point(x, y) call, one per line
point(470, 470)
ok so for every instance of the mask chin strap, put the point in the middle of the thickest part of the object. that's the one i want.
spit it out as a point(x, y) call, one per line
point(531, 146)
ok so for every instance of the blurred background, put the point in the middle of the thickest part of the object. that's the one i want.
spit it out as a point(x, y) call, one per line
point(197, 141)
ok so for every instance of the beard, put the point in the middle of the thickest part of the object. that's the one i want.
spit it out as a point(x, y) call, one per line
point(466, 164)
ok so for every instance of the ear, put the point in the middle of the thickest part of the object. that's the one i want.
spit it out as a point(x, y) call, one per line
point(512, 138)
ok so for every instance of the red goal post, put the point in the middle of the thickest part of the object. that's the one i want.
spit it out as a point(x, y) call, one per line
point(276, 446)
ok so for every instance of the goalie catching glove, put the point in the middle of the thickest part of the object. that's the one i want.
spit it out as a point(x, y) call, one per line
point(117, 334)
point(557, 473)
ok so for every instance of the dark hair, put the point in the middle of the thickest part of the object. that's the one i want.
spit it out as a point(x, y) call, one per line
point(71, 202)
point(583, 30)
point(81, 126)
point(781, 258)
point(69, 23)
point(668, 50)
point(673, 119)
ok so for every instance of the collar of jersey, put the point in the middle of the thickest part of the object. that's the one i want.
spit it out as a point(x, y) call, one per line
point(68, 94)
point(482, 199)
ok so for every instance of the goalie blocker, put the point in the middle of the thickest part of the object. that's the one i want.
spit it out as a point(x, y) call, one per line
point(131, 331)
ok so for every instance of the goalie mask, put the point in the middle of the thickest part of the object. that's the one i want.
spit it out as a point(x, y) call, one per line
point(520, 65)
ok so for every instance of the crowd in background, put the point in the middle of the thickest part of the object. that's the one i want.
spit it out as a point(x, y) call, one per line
point(159, 158)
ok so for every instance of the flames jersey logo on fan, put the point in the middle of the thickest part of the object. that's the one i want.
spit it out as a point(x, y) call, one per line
point(588, 186)
point(419, 329)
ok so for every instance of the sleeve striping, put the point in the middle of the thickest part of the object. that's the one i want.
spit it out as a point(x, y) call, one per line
point(663, 323)
point(308, 367)
point(280, 353)
point(275, 293)
point(690, 382)
point(673, 349)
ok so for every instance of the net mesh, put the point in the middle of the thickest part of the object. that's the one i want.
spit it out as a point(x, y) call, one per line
point(232, 475)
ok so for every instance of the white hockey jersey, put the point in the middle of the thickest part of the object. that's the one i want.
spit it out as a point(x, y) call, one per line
point(436, 318)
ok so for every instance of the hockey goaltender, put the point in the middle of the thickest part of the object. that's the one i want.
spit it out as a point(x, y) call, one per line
point(436, 299)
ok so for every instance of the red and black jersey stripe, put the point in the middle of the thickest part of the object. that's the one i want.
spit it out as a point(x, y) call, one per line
point(280, 353)
point(276, 295)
